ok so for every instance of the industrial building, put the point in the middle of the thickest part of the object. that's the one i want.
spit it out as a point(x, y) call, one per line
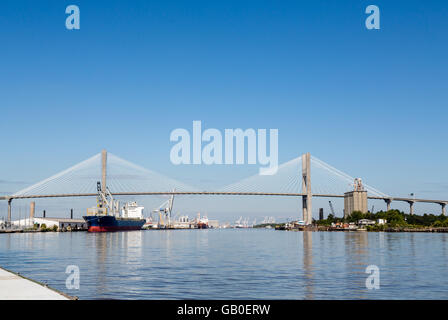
point(355, 200)
point(60, 223)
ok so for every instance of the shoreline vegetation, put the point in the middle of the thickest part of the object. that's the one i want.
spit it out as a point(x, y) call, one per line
point(393, 221)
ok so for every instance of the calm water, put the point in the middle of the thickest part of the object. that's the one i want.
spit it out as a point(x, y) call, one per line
point(234, 264)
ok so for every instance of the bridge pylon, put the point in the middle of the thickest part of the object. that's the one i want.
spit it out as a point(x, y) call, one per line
point(103, 168)
point(306, 189)
point(9, 210)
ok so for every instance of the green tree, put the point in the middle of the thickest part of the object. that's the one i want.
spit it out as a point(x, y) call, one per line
point(356, 216)
point(395, 218)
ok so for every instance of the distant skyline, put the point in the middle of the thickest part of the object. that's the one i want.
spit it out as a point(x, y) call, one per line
point(372, 103)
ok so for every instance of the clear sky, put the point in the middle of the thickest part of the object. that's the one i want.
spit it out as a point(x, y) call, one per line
point(372, 103)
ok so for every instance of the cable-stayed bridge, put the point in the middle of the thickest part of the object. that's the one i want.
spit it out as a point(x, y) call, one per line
point(306, 177)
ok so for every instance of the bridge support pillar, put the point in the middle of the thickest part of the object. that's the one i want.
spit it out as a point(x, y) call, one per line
point(306, 189)
point(32, 209)
point(443, 208)
point(388, 201)
point(411, 207)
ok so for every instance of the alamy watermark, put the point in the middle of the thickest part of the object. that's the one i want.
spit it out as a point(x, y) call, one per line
point(73, 20)
point(72, 281)
point(373, 280)
point(230, 150)
point(373, 20)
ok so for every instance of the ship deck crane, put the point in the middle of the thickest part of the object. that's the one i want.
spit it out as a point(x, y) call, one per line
point(106, 200)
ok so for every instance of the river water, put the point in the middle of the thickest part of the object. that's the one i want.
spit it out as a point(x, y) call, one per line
point(234, 264)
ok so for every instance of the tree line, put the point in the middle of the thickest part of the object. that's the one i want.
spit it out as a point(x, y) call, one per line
point(394, 218)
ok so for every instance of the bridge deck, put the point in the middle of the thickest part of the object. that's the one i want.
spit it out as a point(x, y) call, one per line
point(218, 193)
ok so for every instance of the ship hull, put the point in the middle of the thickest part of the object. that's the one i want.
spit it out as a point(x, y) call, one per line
point(111, 224)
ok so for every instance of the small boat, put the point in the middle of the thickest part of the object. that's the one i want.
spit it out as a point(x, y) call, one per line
point(150, 224)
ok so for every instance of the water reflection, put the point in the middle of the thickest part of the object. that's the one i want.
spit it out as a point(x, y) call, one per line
point(234, 264)
point(381, 240)
point(131, 243)
point(101, 240)
point(127, 247)
point(308, 263)
point(356, 257)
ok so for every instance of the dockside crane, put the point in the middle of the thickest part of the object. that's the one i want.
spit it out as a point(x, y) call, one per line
point(165, 210)
point(331, 208)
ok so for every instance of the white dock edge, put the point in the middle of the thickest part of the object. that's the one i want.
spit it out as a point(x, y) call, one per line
point(17, 287)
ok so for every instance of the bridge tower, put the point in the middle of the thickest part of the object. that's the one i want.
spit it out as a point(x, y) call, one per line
point(306, 189)
point(103, 169)
point(9, 210)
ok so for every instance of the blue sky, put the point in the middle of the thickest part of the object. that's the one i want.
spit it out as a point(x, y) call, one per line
point(372, 103)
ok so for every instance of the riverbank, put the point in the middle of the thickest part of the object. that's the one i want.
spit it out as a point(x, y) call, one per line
point(402, 229)
point(365, 229)
point(14, 286)
point(387, 229)
point(37, 230)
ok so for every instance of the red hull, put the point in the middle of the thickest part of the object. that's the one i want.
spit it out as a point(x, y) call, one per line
point(111, 228)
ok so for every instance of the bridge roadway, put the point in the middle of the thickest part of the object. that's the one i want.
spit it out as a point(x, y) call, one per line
point(386, 199)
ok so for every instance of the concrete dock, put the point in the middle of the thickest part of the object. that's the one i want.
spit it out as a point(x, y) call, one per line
point(16, 287)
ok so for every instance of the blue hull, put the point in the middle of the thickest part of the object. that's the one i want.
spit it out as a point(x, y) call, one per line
point(111, 223)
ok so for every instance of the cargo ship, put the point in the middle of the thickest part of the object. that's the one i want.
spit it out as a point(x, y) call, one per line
point(106, 215)
point(202, 223)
